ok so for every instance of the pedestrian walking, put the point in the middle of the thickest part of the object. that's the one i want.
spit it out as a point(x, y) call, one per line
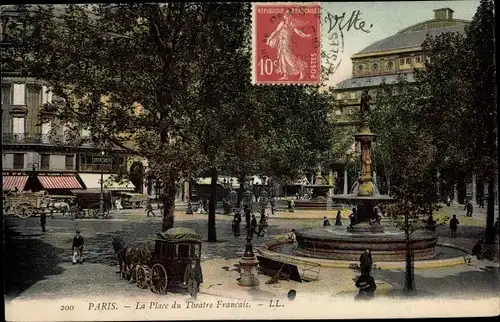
point(253, 225)
point(77, 248)
point(326, 222)
point(480, 201)
point(448, 201)
point(292, 206)
point(201, 209)
point(193, 277)
point(469, 208)
point(453, 226)
point(189, 210)
point(43, 220)
point(366, 285)
point(248, 215)
point(262, 223)
point(366, 262)
point(149, 208)
point(338, 219)
point(236, 224)
point(273, 205)
point(118, 204)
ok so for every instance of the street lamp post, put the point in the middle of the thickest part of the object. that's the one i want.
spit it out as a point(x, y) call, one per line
point(101, 197)
point(248, 262)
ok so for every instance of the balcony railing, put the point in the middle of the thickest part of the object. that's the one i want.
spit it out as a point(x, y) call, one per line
point(44, 139)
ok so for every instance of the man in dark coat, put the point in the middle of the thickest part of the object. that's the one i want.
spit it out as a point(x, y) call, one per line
point(43, 220)
point(366, 262)
point(366, 285)
point(149, 208)
point(338, 219)
point(193, 277)
point(236, 223)
point(353, 217)
point(248, 215)
point(254, 225)
point(477, 250)
point(453, 226)
point(77, 248)
point(469, 208)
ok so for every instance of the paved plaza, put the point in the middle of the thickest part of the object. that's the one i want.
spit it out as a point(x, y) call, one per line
point(39, 265)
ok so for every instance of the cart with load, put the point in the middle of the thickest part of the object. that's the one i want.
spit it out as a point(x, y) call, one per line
point(133, 200)
point(25, 204)
point(173, 251)
point(87, 204)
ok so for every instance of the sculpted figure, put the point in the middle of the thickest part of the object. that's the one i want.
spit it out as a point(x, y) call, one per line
point(365, 104)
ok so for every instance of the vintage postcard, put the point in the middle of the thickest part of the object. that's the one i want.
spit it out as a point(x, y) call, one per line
point(267, 160)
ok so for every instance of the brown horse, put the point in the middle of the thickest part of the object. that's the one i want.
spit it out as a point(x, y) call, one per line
point(131, 256)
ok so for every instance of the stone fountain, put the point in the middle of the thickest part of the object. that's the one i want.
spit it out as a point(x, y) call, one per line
point(319, 199)
point(371, 231)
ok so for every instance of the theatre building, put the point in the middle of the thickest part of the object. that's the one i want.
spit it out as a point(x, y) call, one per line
point(386, 60)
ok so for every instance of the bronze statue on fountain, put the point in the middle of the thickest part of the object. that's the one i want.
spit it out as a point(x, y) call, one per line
point(368, 214)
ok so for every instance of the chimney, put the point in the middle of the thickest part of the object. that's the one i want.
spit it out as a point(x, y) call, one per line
point(443, 14)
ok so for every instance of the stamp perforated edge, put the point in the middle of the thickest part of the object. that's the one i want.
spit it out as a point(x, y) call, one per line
point(254, 43)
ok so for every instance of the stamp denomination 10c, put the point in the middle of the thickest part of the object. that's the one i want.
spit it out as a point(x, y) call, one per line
point(286, 44)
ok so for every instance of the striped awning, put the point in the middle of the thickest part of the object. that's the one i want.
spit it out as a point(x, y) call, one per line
point(93, 181)
point(59, 182)
point(11, 182)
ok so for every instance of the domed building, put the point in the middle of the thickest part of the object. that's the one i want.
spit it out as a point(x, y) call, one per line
point(394, 56)
point(386, 60)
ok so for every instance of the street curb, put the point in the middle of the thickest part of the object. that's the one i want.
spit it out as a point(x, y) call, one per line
point(290, 259)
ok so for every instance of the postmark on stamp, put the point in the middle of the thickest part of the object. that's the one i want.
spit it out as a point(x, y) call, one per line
point(286, 44)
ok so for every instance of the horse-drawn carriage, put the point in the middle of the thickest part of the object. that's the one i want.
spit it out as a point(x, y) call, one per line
point(133, 200)
point(165, 266)
point(87, 203)
point(25, 204)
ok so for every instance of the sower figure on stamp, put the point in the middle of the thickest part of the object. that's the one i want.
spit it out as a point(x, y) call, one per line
point(77, 248)
point(281, 39)
point(193, 277)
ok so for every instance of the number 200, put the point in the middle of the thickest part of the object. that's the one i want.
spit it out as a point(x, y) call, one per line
point(267, 66)
point(67, 307)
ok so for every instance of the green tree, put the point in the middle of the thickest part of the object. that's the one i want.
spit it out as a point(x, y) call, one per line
point(131, 53)
point(413, 161)
point(459, 105)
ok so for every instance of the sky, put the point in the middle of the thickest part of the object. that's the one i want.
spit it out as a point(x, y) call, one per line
point(387, 19)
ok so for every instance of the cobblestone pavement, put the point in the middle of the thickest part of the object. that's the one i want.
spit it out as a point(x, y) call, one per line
point(39, 265)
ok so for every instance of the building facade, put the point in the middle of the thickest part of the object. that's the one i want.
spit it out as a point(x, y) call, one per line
point(39, 156)
point(394, 57)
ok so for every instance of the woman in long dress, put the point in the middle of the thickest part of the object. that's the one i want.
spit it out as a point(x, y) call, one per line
point(281, 39)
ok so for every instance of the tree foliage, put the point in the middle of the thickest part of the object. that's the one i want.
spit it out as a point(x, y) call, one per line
point(170, 82)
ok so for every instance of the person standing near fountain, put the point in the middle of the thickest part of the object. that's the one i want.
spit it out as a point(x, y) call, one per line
point(326, 222)
point(338, 219)
point(353, 217)
point(453, 226)
point(366, 262)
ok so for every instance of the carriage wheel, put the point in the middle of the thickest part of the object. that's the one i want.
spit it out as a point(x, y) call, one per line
point(160, 279)
point(142, 276)
point(24, 210)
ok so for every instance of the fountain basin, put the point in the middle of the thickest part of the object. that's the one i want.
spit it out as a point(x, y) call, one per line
point(338, 244)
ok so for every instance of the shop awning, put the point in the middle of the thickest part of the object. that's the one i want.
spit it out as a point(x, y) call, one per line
point(220, 180)
point(59, 182)
point(93, 181)
point(11, 182)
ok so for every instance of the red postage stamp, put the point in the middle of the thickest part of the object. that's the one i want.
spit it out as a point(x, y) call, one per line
point(286, 43)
